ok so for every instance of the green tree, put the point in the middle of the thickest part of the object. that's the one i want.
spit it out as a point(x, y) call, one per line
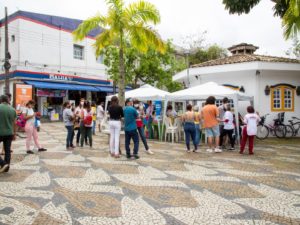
point(205, 54)
point(287, 10)
point(151, 67)
point(295, 49)
point(120, 25)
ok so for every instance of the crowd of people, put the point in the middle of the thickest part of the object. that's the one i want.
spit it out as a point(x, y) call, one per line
point(218, 123)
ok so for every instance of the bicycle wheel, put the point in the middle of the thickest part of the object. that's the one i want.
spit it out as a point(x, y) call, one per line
point(289, 131)
point(262, 132)
point(296, 127)
point(280, 131)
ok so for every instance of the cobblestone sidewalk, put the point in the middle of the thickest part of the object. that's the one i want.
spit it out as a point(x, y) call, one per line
point(170, 187)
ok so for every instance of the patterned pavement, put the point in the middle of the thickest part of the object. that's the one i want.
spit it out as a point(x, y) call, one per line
point(170, 187)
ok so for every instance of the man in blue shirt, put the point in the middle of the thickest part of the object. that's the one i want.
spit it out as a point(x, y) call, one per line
point(130, 115)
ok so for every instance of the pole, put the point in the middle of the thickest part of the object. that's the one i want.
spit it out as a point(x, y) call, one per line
point(188, 69)
point(7, 55)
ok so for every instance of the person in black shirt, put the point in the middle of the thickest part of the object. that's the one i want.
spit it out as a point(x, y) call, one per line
point(115, 114)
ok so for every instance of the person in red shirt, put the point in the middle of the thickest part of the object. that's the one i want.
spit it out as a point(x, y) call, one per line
point(140, 125)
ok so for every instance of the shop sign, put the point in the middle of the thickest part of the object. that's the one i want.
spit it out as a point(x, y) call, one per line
point(23, 95)
point(50, 93)
point(59, 77)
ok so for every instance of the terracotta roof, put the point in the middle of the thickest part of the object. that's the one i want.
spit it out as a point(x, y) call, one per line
point(245, 58)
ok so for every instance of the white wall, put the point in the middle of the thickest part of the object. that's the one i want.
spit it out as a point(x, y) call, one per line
point(40, 45)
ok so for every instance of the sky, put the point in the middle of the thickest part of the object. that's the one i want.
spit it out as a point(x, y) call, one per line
point(180, 18)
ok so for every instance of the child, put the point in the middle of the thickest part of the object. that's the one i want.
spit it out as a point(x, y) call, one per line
point(250, 129)
point(228, 127)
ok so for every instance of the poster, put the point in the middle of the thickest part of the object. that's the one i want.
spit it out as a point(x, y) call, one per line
point(23, 95)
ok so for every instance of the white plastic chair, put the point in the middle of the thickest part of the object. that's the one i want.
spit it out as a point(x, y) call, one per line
point(170, 129)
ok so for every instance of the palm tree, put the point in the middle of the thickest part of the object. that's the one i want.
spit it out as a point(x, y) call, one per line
point(291, 19)
point(121, 25)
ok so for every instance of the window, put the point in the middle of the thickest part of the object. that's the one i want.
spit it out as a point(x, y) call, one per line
point(78, 52)
point(13, 38)
point(282, 98)
point(219, 102)
point(100, 59)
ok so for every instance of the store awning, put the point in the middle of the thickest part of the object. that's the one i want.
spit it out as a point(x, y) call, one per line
point(60, 86)
point(105, 89)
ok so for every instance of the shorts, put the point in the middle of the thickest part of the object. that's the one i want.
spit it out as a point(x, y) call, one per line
point(213, 131)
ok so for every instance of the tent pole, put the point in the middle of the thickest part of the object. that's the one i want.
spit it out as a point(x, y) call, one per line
point(236, 112)
point(163, 120)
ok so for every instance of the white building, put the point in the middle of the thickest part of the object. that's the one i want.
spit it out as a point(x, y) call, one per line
point(44, 55)
point(273, 81)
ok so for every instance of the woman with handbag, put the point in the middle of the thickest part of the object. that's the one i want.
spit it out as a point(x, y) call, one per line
point(68, 117)
point(30, 128)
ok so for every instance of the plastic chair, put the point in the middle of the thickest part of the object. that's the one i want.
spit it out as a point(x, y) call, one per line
point(170, 129)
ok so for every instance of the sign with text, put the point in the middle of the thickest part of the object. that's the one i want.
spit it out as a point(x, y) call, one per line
point(51, 93)
point(23, 95)
point(59, 77)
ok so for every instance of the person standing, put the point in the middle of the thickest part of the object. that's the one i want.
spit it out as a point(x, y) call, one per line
point(149, 115)
point(100, 114)
point(197, 125)
point(140, 126)
point(228, 128)
point(210, 116)
point(222, 110)
point(7, 131)
point(87, 124)
point(94, 113)
point(130, 115)
point(68, 117)
point(189, 127)
point(115, 112)
point(78, 123)
point(30, 129)
point(251, 119)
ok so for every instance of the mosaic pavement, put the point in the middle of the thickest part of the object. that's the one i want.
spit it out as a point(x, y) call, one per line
point(170, 187)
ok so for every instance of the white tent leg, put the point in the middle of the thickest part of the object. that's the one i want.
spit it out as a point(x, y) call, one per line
point(236, 112)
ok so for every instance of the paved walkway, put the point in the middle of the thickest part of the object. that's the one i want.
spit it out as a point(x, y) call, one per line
point(171, 187)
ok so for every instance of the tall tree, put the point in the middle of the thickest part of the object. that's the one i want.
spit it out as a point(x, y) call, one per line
point(151, 67)
point(120, 25)
point(287, 10)
point(205, 54)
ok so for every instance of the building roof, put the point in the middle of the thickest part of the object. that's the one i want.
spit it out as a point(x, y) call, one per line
point(58, 22)
point(241, 58)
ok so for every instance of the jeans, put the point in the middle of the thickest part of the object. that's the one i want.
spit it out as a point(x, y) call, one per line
point(229, 133)
point(149, 127)
point(190, 132)
point(70, 136)
point(94, 127)
point(135, 137)
point(86, 132)
point(198, 134)
point(114, 143)
point(31, 132)
point(143, 137)
point(7, 144)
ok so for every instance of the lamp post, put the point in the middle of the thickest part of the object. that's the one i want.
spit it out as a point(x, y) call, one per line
point(7, 55)
point(187, 53)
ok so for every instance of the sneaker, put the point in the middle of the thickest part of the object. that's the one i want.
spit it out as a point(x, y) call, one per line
point(136, 156)
point(42, 149)
point(231, 149)
point(4, 168)
point(117, 156)
point(209, 150)
point(149, 152)
point(251, 153)
point(188, 151)
point(29, 152)
point(195, 150)
point(128, 156)
point(217, 150)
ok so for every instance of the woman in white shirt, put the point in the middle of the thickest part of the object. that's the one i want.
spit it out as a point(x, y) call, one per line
point(30, 129)
point(228, 126)
point(250, 129)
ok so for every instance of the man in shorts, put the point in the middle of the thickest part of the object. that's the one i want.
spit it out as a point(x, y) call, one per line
point(210, 116)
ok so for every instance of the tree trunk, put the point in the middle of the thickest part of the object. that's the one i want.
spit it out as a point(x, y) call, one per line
point(121, 82)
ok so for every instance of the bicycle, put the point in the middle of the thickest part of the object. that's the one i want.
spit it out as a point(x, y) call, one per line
point(293, 128)
point(278, 128)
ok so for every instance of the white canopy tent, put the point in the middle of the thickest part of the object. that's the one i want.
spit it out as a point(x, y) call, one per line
point(203, 91)
point(144, 93)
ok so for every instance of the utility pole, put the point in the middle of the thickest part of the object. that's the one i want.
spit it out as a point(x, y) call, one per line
point(7, 55)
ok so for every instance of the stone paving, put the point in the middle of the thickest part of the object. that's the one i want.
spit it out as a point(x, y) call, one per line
point(170, 187)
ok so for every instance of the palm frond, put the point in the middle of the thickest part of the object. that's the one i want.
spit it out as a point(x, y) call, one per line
point(291, 20)
point(103, 40)
point(88, 25)
point(142, 11)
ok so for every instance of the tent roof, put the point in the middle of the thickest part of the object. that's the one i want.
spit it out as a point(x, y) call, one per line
point(144, 93)
point(203, 91)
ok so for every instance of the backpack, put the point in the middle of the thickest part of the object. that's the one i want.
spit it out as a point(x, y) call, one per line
point(21, 122)
point(88, 119)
